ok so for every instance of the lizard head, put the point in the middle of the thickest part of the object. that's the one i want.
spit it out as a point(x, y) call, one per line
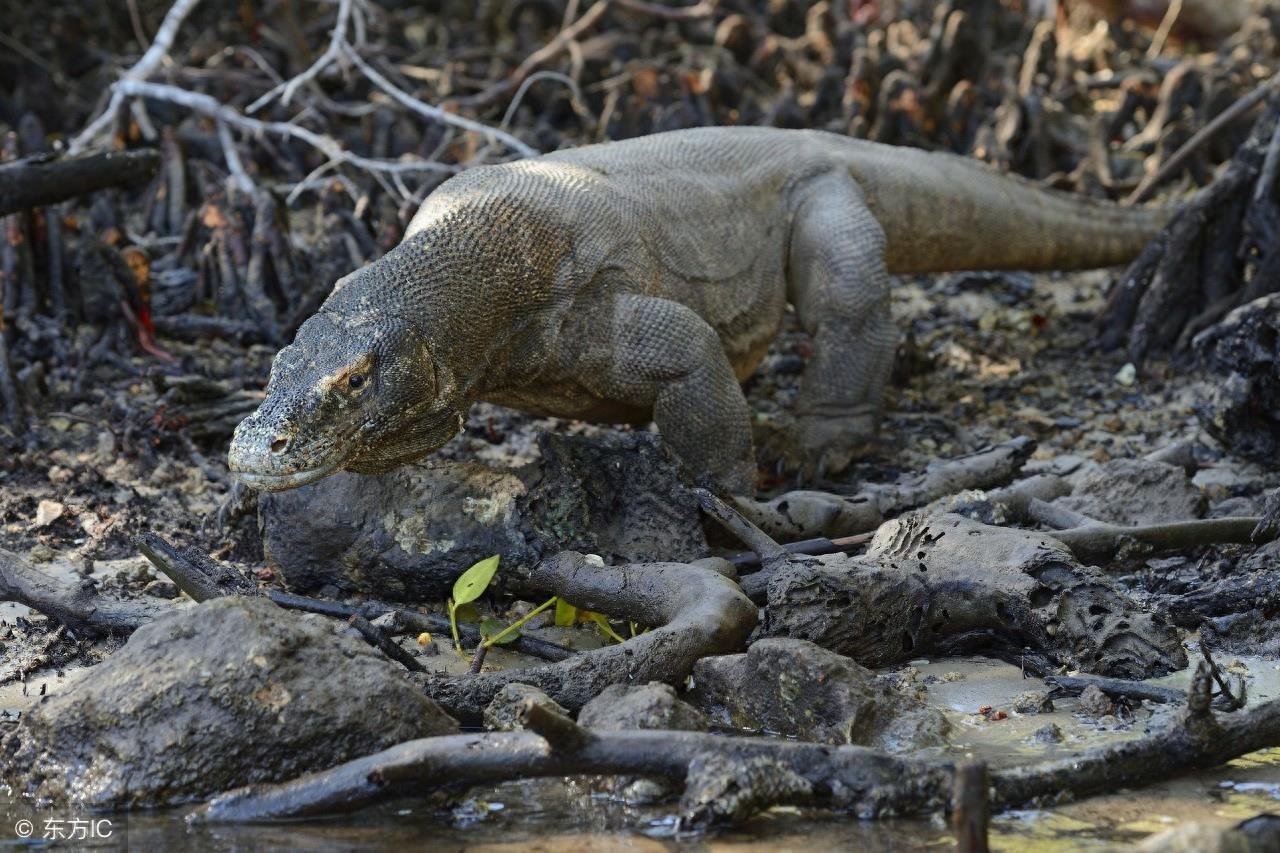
point(353, 393)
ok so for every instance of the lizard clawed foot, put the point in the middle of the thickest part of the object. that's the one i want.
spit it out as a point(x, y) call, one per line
point(826, 444)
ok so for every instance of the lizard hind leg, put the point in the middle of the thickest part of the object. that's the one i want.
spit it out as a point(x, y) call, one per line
point(839, 286)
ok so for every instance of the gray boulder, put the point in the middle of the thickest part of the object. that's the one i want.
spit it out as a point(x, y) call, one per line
point(231, 692)
point(796, 688)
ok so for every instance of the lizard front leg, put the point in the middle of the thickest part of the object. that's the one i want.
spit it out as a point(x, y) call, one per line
point(662, 356)
point(839, 286)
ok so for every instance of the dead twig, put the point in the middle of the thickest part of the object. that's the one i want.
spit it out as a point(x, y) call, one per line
point(374, 636)
point(1099, 542)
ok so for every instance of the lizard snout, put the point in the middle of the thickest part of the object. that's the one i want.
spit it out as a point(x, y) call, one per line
point(265, 455)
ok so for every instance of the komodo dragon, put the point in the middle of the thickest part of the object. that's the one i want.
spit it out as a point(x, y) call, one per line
point(643, 280)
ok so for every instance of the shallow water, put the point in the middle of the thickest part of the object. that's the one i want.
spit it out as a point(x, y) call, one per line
point(563, 815)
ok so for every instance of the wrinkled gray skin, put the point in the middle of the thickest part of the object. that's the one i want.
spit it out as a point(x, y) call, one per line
point(643, 280)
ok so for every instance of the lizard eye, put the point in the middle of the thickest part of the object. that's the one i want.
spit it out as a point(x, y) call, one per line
point(356, 381)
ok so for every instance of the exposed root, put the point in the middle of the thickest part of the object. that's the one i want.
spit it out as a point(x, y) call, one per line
point(693, 611)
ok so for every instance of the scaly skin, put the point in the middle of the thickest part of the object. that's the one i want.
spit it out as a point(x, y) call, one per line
point(643, 280)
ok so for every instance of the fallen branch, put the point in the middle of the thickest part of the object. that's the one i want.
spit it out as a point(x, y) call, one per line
point(80, 608)
point(47, 180)
point(1095, 543)
point(694, 612)
point(1194, 740)
point(553, 745)
point(1116, 688)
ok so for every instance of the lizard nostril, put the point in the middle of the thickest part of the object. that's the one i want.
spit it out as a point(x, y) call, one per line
point(279, 445)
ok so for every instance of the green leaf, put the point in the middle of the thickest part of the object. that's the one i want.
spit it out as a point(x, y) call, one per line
point(467, 613)
point(490, 628)
point(566, 614)
point(605, 628)
point(475, 580)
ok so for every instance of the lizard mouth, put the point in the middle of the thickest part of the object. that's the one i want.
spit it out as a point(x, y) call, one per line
point(291, 480)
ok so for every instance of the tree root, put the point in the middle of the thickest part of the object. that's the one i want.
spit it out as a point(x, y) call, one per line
point(724, 775)
point(694, 612)
point(1216, 253)
point(80, 608)
point(806, 514)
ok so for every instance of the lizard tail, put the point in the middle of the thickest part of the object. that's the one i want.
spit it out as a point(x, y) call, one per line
point(944, 212)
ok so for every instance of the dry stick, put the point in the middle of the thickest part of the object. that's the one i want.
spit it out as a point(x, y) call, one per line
point(761, 543)
point(44, 180)
point(971, 806)
point(331, 53)
point(1097, 542)
point(150, 61)
point(696, 12)
point(375, 637)
point(1199, 138)
point(189, 577)
point(1166, 26)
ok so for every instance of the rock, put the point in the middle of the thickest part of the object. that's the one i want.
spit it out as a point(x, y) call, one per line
point(1048, 733)
point(47, 512)
point(1237, 506)
point(648, 706)
point(231, 692)
point(1032, 702)
point(799, 689)
point(1135, 491)
point(407, 534)
point(1260, 834)
point(1095, 703)
point(503, 712)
